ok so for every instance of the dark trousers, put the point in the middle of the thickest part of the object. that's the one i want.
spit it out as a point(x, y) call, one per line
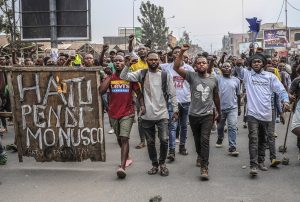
point(1, 147)
point(201, 128)
point(298, 143)
point(148, 127)
point(260, 134)
point(141, 132)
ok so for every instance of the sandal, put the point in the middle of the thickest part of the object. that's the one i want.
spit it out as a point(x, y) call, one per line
point(164, 171)
point(140, 146)
point(153, 170)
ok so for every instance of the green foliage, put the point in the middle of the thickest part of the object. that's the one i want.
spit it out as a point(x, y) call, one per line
point(185, 39)
point(6, 17)
point(153, 25)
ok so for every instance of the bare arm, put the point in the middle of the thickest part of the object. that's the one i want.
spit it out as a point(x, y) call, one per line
point(101, 57)
point(104, 85)
point(130, 45)
point(179, 61)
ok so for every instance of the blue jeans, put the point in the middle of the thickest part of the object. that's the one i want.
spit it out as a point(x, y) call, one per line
point(231, 116)
point(181, 122)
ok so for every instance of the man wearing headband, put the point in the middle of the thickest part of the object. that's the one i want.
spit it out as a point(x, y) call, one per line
point(260, 85)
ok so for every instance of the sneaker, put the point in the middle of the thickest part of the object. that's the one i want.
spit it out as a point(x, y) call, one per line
point(121, 173)
point(177, 140)
point(262, 167)
point(204, 173)
point(198, 161)
point(219, 143)
point(277, 120)
point(111, 131)
point(164, 171)
point(3, 158)
point(171, 155)
point(275, 135)
point(253, 171)
point(140, 146)
point(233, 152)
point(275, 163)
point(245, 126)
point(182, 150)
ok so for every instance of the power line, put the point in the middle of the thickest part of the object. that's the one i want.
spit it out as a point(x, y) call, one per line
point(293, 6)
point(280, 12)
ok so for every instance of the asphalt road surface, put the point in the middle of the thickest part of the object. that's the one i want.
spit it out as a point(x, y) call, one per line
point(97, 181)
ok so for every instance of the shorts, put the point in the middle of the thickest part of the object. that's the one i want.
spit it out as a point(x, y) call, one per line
point(296, 117)
point(122, 126)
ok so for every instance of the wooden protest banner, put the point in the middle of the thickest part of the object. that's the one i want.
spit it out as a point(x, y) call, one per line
point(57, 113)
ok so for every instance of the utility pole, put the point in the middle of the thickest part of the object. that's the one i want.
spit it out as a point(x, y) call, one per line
point(14, 24)
point(286, 25)
point(211, 47)
point(53, 23)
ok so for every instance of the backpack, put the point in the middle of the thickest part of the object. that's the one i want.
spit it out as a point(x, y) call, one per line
point(164, 77)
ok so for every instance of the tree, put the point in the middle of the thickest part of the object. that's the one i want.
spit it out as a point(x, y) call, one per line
point(6, 18)
point(153, 25)
point(185, 39)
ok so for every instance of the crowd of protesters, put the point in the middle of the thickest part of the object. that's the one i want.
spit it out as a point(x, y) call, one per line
point(171, 90)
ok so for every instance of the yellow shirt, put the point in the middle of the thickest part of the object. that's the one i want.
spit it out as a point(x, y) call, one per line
point(139, 65)
point(276, 72)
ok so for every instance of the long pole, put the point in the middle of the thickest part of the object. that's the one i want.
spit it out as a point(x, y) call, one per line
point(53, 23)
point(14, 23)
point(133, 14)
point(286, 25)
point(243, 19)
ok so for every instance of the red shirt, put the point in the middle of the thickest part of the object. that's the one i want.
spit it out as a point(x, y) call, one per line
point(120, 97)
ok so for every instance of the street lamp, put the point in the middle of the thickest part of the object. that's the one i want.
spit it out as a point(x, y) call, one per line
point(133, 14)
point(179, 30)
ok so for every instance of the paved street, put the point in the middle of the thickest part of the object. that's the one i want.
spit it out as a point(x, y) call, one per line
point(96, 181)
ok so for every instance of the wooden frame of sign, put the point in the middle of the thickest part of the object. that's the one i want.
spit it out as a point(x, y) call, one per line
point(57, 113)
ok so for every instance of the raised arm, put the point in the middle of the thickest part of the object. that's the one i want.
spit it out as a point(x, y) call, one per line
point(130, 76)
point(101, 57)
point(179, 61)
point(130, 43)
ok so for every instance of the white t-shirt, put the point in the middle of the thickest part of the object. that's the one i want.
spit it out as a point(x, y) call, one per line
point(182, 87)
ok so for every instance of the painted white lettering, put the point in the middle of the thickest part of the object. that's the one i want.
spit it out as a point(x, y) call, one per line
point(37, 135)
point(86, 141)
point(37, 115)
point(63, 135)
point(56, 114)
point(22, 89)
point(46, 137)
point(24, 113)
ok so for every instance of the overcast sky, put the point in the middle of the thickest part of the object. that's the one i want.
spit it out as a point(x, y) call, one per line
point(206, 20)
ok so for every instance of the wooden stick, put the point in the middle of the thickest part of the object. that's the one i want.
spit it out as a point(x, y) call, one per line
point(52, 69)
point(103, 155)
point(18, 135)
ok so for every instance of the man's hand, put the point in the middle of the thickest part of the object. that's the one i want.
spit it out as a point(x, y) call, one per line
point(142, 110)
point(286, 107)
point(282, 119)
point(175, 116)
point(105, 47)
point(239, 111)
point(217, 117)
point(185, 47)
point(108, 71)
point(131, 38)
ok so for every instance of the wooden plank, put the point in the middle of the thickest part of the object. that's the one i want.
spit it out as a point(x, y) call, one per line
point(18, 135)
point(52, 69)
point(6, 114)
point(100, 113)
point(58, 115)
